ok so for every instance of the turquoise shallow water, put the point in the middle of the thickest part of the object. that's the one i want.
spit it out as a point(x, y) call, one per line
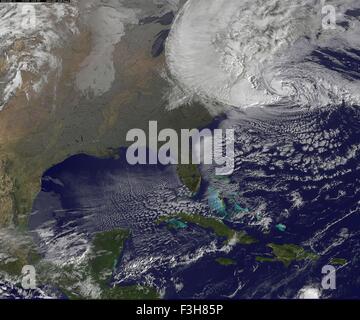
point(83, 195)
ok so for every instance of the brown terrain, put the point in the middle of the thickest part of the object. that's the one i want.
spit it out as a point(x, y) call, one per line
point(51, 126)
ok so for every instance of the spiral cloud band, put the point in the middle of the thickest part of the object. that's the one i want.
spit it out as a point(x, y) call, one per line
point(266, 52)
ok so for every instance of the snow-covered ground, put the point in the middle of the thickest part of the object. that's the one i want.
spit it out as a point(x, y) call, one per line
point(29, 33)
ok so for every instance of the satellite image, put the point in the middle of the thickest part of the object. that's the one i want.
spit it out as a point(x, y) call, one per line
point(180, 149)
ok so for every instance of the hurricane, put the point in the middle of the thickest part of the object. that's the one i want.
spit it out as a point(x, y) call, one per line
point(283, 76)
point(255, 53)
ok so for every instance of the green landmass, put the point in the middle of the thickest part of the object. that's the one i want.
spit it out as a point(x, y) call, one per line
point(96, 272)
point(130, 293)
point(62, 126)
point(244, 238)
point(190, 176)
point(16, 255)
point(287, 253)
point(16, 262)
point(338, 261)
point(264, 259)
point(107, 247)
point(225, 261)
point(217, 226)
